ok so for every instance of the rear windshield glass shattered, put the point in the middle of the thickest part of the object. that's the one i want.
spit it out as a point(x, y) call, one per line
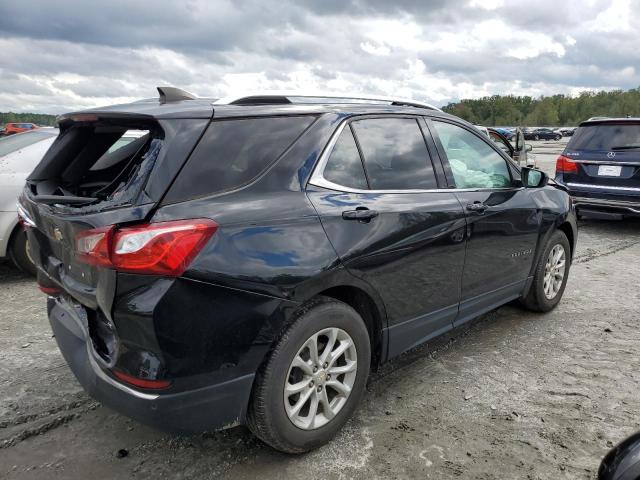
point(97, 166)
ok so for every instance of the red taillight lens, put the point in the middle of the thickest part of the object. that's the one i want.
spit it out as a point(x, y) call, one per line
point(93, 246)
point(164, 248)
point(141, 382)
point(50, 290)
point(566, 165)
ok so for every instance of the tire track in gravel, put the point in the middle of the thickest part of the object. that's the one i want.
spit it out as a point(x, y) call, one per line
point(592, 254)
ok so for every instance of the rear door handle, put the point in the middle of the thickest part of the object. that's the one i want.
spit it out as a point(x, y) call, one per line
point(360, 214)
point(477, 207)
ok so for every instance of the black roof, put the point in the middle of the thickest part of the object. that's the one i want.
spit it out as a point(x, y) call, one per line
point(205, 108)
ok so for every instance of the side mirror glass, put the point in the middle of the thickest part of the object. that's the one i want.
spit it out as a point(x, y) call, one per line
point(528, 147)
point(533, 178)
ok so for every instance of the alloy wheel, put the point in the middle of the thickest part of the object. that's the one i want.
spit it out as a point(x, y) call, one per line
point(554, 271)
point(320, 378)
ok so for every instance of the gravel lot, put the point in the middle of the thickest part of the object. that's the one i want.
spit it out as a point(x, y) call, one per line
point(511, 395)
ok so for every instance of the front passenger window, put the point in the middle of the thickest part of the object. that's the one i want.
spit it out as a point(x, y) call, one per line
point(474, 164)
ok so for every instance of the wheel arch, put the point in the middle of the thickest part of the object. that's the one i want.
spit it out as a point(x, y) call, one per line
point(14, 229)
point(568, 231)
point(365, 305)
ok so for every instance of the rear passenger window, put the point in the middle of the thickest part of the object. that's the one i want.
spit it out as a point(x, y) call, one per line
point(344, 166)
point(231, 153)
point(395, 154)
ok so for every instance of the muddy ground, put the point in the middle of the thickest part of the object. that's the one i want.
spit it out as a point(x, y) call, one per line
point(511, 395)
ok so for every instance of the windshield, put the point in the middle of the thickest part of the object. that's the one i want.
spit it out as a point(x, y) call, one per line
point(13, 143)
point(608, 136)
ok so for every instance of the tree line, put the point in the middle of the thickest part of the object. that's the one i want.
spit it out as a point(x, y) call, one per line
point(556, 110)
point(37, 118)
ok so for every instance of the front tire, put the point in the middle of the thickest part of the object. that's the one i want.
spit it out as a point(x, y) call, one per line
point(537, 137)
point(551, 274)
point(314, 378)
point(19, 252)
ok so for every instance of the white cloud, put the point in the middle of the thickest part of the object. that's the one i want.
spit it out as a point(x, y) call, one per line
point(55, 58)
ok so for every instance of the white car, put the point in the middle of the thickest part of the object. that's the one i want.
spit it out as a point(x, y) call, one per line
point(19, 155)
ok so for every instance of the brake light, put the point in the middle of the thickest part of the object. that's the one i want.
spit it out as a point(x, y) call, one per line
point(566, 165)
point(141, 382)
point(92, 246)
point(164, 248)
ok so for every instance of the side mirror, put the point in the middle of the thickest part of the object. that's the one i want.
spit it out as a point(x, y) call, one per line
point(533, 178)
point(528, 147)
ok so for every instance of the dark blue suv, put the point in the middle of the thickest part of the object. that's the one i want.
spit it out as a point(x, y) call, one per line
point(601, 167)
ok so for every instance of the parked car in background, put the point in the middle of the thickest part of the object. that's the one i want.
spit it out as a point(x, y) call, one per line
point(542, 134)
point(567, 131)
point(309, 239)
point(600, 166)
point(508, 133)
point(12, 128)
point(19, 155)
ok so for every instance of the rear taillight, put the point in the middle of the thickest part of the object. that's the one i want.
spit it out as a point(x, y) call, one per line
point(164, 248)
point(93, 246)
point(566, 165)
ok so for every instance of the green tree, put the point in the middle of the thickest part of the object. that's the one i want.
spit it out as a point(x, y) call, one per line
point(556, 110)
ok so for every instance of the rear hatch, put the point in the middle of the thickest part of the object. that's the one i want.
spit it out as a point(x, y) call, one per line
point(104, 169)
point(603, 159)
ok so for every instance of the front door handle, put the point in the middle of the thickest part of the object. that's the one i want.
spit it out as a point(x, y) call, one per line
point(361, 214)
point(477, 207)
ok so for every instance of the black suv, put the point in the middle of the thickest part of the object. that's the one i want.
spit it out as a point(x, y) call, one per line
point(249, 260)
point(600, 167)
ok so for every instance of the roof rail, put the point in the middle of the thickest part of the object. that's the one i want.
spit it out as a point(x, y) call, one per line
point(173, 94)
point(271, 98)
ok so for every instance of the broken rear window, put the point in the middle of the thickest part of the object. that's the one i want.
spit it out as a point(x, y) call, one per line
point(96, 163)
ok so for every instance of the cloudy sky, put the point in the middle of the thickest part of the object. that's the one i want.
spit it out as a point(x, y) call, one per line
point(57, 56)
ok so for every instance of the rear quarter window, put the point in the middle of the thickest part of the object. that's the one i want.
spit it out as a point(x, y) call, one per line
point(233, 152)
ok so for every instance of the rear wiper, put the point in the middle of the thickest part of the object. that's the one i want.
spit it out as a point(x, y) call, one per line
point(626, 147)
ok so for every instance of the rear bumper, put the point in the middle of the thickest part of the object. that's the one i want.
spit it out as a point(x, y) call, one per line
point(623, 207)
point(212, 407)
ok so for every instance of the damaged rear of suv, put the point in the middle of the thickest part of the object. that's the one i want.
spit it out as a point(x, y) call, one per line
point(90, 200)
point(248, 260)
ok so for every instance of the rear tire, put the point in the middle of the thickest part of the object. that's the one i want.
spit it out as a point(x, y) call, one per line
point(274, 415)
point(547, 288)
point(537, 137)
point(19, 252)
